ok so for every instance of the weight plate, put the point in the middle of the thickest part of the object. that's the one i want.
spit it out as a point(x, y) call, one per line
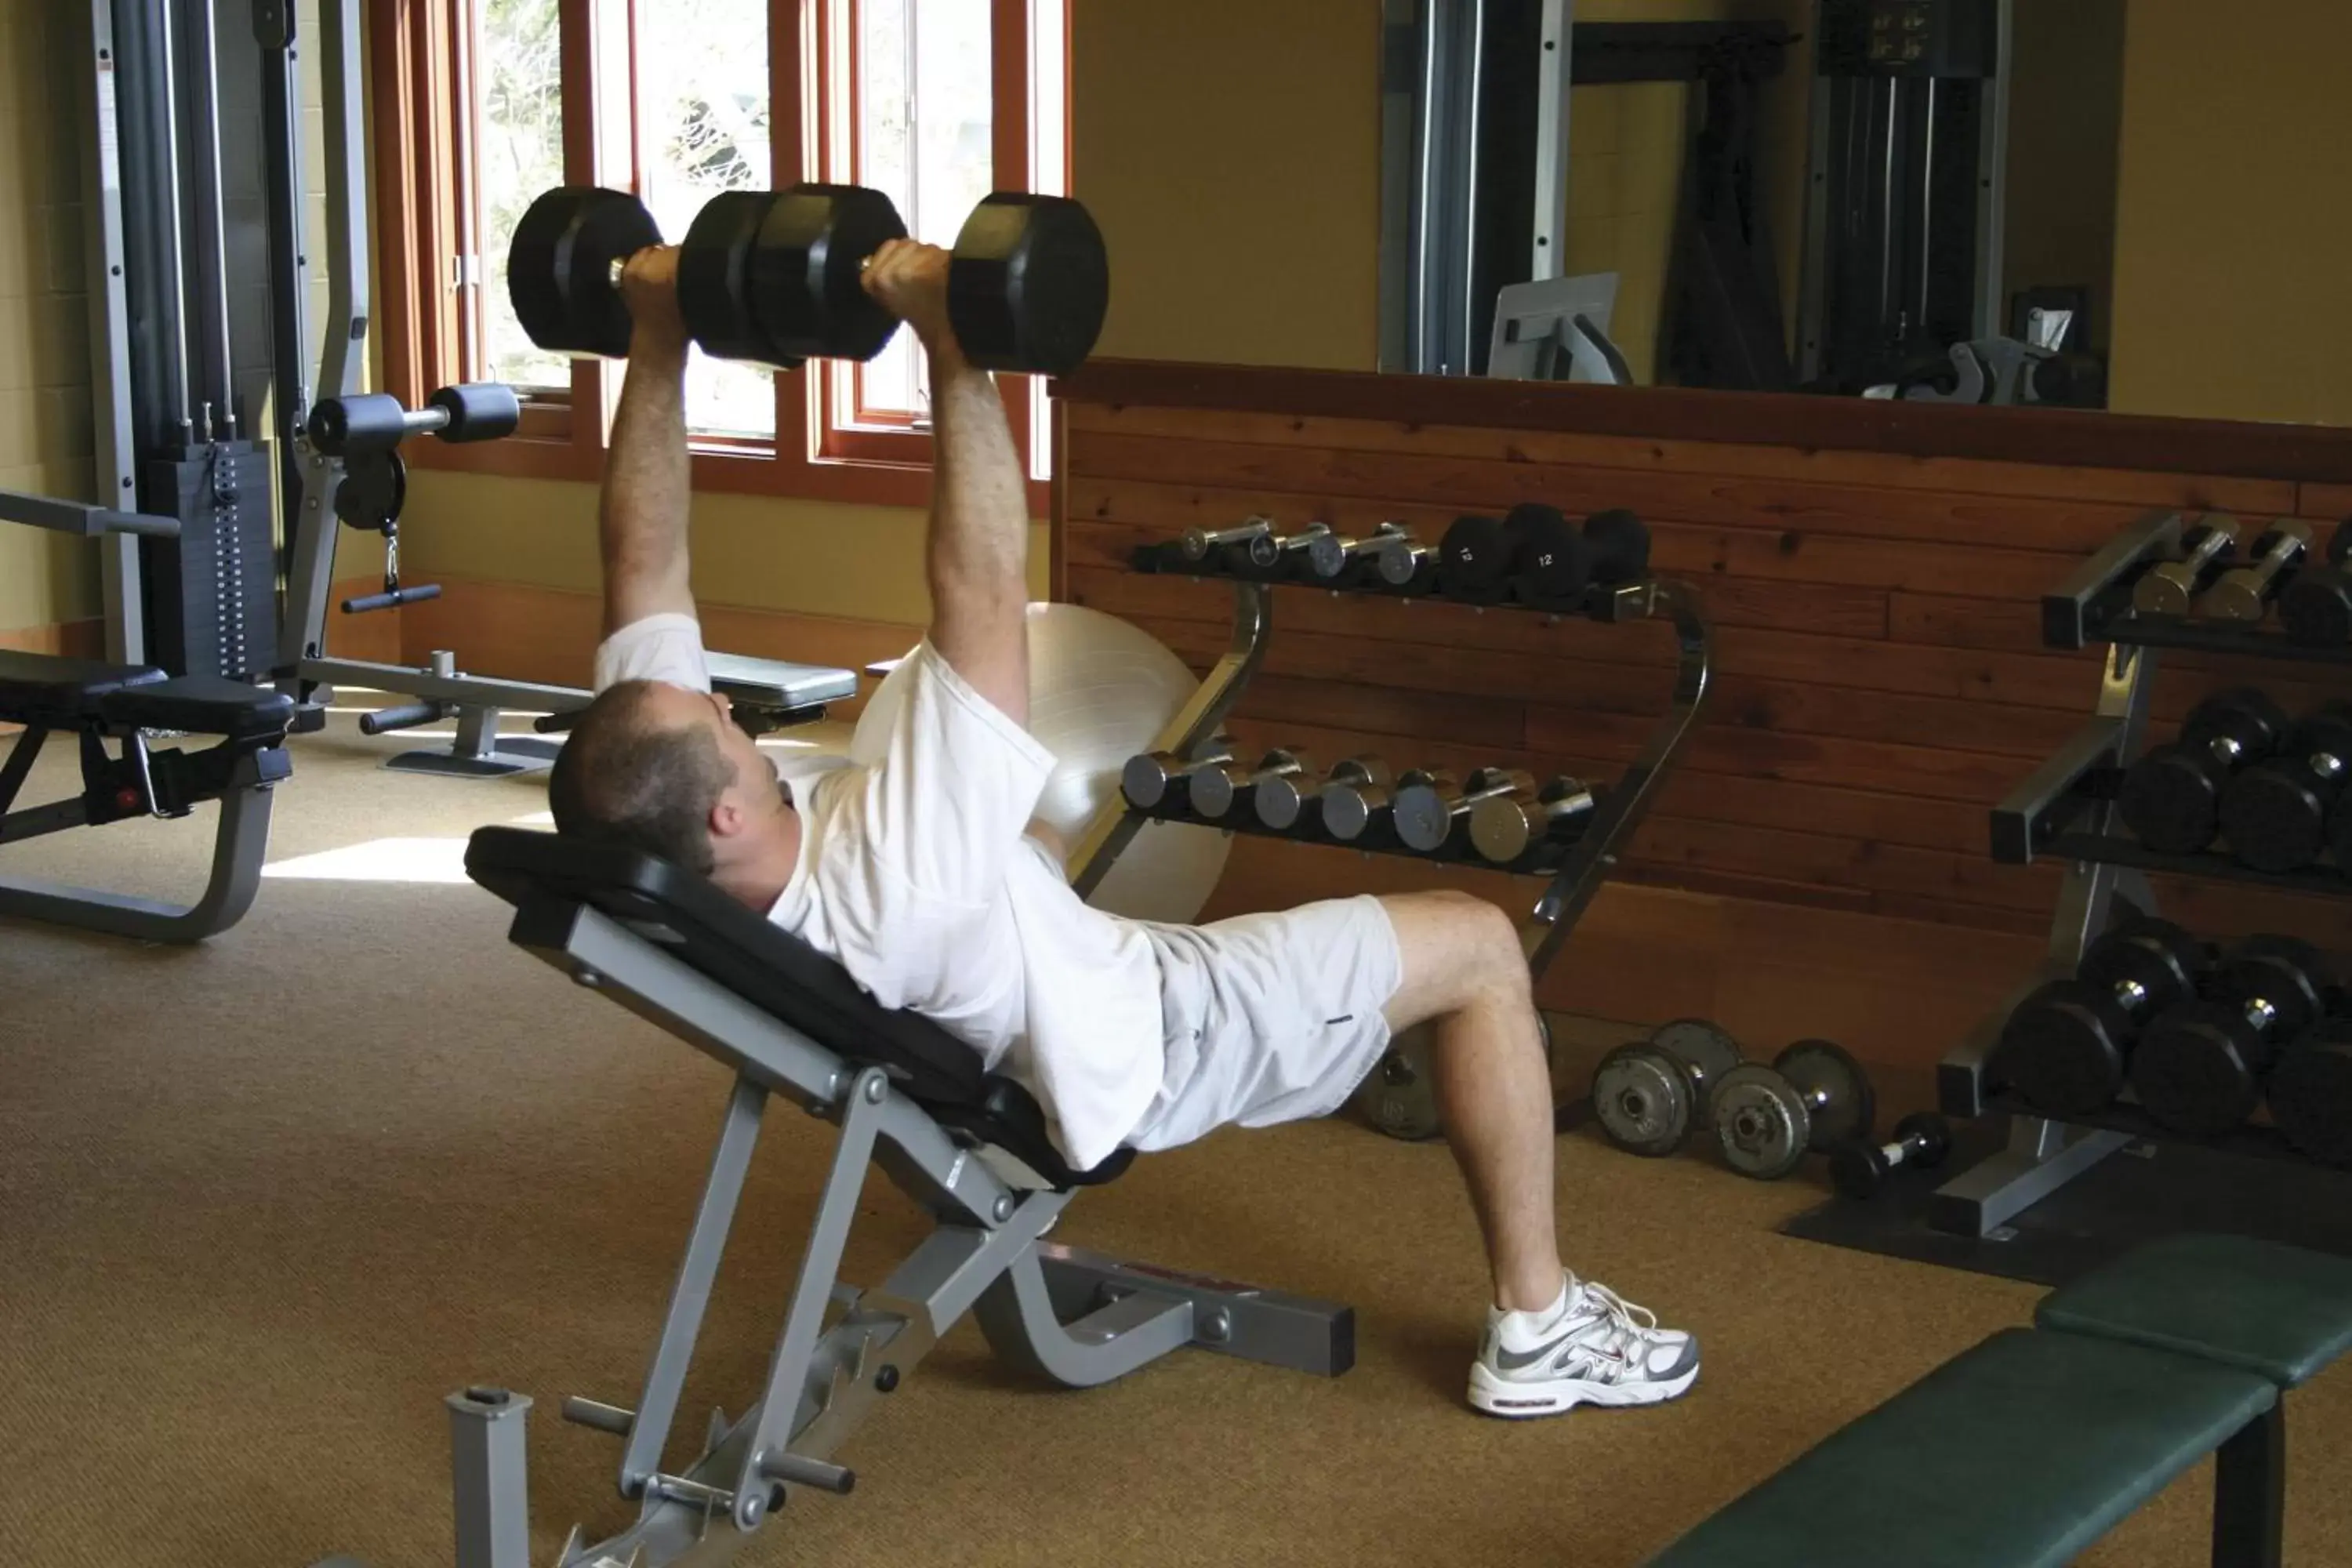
point(2160, 957)
point(2063, 1049)
point(1701, 1047)
point(1761, 1122)
point(1644, 1101)
point(1030, 284)
point(1398, 1098)
point(1621, 546)
point(2311, 1097)
point(560, 263)
point(2171, 800)
point(2273, 817)
point(714, 278)
point(2289, 973)
point(1837, 1091)
point(808, 292)
point(2194, 1070)
point(2316, 607)
point(373, 490)
point(1421, 816)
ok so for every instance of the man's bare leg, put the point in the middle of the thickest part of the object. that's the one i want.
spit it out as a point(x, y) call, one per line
point(1466, 974)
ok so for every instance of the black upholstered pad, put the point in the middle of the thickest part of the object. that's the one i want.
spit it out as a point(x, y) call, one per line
point(2278, 1312)
point(201, 705)
point(2017, 1454)
point(779, 973)
point(47, 689)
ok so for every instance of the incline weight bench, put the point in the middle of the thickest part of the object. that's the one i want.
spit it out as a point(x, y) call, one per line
point(968, 1146)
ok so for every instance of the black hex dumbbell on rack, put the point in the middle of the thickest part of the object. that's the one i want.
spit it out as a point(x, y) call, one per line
point(2275, 814)
point(2171, 797)
point(2201, 1067)
point(2310, 1092)
point(2316, 606)
point(1479, 553)
point(2066, 1049)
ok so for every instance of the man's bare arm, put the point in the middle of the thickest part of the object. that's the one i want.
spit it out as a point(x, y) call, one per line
point(648, 483)
point(977, 559)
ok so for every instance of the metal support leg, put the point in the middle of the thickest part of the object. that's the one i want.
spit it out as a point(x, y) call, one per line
point(2249, 1494)
point(657, 1405)
point(487, 1471)
point(2041, 1157)
point(240, 844)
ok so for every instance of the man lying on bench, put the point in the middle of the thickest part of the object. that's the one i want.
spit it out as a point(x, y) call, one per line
point(925, 878)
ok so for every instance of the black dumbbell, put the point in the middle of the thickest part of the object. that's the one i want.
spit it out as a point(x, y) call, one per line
point(1649, 1094)
point(1153, 779)
point(2171, 797)
point(778, 276)
point(2310, 1092)
point(1216, 790)
point(1860, 1169)
point(1359, 793)
point(1620, 543)
point(375, 422)
point(1554, 562)
point(2316, 606)
point(2170, 587)
point(2275, 814)
point(1431, 809)
point(1267, 557)
point(2241, 593)
point(1505, 829)
point(1402, 564)
point(2199, 1067)
point(1478, 556)
point(2066, 1049)
point(1815, 1097)
point(1331, 561)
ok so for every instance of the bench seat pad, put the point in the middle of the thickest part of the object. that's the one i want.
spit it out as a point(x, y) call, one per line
point(2019, 1453)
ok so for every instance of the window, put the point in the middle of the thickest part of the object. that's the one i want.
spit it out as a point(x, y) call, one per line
point(486, 103)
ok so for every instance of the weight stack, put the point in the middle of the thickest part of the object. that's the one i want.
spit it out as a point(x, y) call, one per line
point(212, 595)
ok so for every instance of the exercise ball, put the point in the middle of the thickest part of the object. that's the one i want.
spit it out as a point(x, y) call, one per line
point(1100, 691)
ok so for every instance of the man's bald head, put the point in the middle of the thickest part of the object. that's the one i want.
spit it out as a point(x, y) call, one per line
point(644, 767)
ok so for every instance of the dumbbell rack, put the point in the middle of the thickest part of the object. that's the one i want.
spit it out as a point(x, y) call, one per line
point(1399, 1097)
point(2066, 810)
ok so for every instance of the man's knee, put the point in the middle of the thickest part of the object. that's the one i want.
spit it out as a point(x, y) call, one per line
point(1459, 950)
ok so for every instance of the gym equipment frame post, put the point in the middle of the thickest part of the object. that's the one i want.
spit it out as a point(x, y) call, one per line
point(1199, 720)
point(1399, 1095)
point(109, 390)
point(2043, 1155)
point(1078, 1319)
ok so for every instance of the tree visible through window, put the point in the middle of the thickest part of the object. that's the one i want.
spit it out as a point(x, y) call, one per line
point(518, 152)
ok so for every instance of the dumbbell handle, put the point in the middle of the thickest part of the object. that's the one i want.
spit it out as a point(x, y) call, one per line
point(1328, 555)
point(2167, 589)
point(1198, 542)
point(1265, 549)
point(2238, 597)
point(392, 598)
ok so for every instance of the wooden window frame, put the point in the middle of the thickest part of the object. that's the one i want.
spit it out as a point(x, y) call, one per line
point(422, 60)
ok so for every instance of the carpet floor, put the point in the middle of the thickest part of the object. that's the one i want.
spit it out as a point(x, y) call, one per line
point(265, 1201)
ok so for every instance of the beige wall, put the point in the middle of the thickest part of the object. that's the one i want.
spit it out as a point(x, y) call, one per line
point(45, 443)
point(2065, 94)
point(2232, 223)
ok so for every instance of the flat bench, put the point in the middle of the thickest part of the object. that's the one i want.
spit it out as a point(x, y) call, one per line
point(2022, 1451)
point(973, 1149)
point(99, 702)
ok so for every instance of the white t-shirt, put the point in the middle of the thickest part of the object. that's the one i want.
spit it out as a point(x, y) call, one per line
point(916, 877)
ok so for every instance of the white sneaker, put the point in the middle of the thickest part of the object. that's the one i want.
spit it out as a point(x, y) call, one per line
point(1592, 1347)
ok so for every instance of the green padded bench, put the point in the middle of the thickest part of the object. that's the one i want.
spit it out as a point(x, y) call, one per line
point(2022, 1451)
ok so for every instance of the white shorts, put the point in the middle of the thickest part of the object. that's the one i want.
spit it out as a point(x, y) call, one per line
point(1270, 1017)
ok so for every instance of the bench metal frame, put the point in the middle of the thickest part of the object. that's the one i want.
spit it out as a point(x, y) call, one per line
point(1068, 1315)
